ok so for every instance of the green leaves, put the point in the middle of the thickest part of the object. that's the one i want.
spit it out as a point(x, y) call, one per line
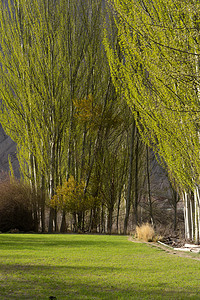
point(159, 76)
point(46, 63)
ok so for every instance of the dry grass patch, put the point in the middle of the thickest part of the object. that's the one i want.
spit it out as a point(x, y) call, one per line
point(145, 232)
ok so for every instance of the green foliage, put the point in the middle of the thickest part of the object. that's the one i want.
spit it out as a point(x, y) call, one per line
point(159, 78)
point(47, 51)
point(51, 54)
point(60, 106)
point(156, 66)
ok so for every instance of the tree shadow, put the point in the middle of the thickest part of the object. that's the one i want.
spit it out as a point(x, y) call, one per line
point(28, 242)
point(79, 282)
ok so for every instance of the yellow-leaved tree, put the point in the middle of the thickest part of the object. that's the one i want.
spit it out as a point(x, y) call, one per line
point(70, 197)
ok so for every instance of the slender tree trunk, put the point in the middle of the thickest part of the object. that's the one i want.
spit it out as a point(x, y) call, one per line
point(83, 222)
point(80, 215)
point(175, 215)
point(51, 217)
point(93, 220)
point(175, 203)
point(188, 215)
point(90, 222)
point(118, 208)
point(43, 204)
point(33, 190)
point(102, 219)
point(149, 187)
point(192, 215)
point(198, 211)
point(75, 229)
point(197, 215)
point(69, 154)
point(109, 222)
point(63, 227)
point(51, 187)
point(130, 174)
point(120, 194)
point(56, 220)
point(83, 151)
point(136, 176)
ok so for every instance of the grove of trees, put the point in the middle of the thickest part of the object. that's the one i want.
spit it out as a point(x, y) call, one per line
point(88, 87)
point(159, 77)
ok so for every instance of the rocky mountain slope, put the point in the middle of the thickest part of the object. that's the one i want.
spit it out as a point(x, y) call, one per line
point(7, 148)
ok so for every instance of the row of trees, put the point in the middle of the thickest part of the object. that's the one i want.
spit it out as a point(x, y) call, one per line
point(59, 105)
point(159, 77)
point(78, 144)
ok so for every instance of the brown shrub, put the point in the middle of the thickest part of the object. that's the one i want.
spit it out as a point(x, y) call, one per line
point(15, 206)
point(145, 232)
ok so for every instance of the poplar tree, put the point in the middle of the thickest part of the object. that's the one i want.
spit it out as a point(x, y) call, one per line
point(159, 77)
point(45, 46)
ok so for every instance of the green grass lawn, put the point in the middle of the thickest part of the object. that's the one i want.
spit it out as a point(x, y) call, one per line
point(92, 267)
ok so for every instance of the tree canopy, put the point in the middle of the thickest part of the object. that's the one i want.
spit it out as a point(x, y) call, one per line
point(71, 124)
point(159, 77)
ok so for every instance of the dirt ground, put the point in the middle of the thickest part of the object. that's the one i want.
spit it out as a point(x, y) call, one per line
point(168, 250)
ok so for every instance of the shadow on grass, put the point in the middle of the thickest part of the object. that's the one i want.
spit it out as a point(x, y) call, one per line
point(68, 282)
point(34, 242)
point(38, 275)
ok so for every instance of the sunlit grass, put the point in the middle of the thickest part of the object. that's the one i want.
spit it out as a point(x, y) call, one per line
point(92, 267)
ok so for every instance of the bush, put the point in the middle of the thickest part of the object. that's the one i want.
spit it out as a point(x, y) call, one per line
point(15, 206)
point(145, 232)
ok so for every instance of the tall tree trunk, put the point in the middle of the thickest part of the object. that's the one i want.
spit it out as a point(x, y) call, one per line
point(175, 213)
point(118, 208)
point(51, 217)
point(102, 219)
point(80, 215)
point(83, 151)
point(75, 229)
point(188, 216)
point(51, 186)
point(176, 200)
point(43, 204)
point(136, 176)
point(197, 215)
point(33, 190)
point(120, 194)
point(109, 221)
point(69, 143)
point(83, 222)
point(63, 227)
point(149, 187)
point(130, 174)
point(90, 221)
